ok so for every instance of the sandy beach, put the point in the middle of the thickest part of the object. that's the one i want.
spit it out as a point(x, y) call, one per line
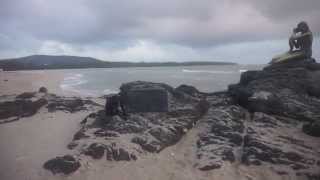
point(16, 82)
point(28, 143)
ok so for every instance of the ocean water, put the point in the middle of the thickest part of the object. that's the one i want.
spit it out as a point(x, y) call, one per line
point(97, 82)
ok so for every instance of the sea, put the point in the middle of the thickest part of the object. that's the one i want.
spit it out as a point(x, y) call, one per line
point(102, 81)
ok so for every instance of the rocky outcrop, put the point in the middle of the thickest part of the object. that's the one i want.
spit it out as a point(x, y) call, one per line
point(27, 104)
point(268, 122)
point(126, 137)
point(285, 89)
point(20, 107)
point(258, 121)
point(65, 164)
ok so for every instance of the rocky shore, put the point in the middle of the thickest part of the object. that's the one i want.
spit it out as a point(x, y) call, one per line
point(267, 124)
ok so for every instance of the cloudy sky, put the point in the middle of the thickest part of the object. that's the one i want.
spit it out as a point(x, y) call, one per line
point(243, 31)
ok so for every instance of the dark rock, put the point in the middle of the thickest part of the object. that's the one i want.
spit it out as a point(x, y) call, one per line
point(228, 155)
point(26, 95)
point(152, 146)
point(103, 133)
point(210, 167)
point(72, 145)
point(281, 89)
point(144, 97)
point(69, 105)
point(65, 164)
point(120, 125)
point(113, 105)
point(202, 107)
point(95, 150)
point(43, 90)
point(312, 129)
point(80, 135)
point(119, 154)
point(166, 135)
point(190, 90)
point(20, 108)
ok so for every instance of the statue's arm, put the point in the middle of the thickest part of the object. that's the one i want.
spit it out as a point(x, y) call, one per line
point(298, 36)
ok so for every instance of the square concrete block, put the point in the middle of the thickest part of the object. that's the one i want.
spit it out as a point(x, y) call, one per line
point(147, 100)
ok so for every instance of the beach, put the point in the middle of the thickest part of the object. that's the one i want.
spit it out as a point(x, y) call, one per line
point(16, 82)
point(27, 143)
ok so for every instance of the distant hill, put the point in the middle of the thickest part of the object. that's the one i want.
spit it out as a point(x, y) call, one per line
point(36, 62)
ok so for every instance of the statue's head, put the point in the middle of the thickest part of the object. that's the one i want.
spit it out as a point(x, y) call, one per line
point(303, 27)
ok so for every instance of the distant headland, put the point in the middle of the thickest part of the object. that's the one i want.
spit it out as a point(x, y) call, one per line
point(38, 62)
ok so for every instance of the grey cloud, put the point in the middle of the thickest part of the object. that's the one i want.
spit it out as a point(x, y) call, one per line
point(116, 24)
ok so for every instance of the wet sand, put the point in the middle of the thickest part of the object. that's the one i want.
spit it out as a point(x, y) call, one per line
point(26, 144)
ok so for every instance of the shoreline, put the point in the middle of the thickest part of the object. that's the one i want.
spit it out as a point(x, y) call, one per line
point(17, 82)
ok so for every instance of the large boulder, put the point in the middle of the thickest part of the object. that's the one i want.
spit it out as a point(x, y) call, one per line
point(65, 164)
point(43, 90)
point(144, 97)
point(312, 129)
point(95, 150)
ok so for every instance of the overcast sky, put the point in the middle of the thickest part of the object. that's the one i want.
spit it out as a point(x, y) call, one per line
point(243, 31)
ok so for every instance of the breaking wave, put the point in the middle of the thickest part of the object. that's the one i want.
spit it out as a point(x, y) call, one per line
point(71, 81)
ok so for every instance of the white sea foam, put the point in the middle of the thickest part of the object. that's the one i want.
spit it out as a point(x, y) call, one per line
point(71, 81)
point(242, 70)
point(109, 91)
point(208, 71)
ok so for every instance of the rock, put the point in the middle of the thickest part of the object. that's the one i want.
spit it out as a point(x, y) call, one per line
point(119, 154)
point(43, 90)
point(95, 150)
point(190, 90)
point(210, 167)
point(312, 129)
point(264, 101)
point(118, 124)
point(65, 164)
point(70, 105)
point(281, 89)
point(72, 145)
point(202, 107)
point(144, 97)
point(80, 135)
point(150, 146)
point(26, 95)
point(113, 105)
point(20, 108)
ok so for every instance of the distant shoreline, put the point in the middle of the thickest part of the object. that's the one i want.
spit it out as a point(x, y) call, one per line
point(44, 62)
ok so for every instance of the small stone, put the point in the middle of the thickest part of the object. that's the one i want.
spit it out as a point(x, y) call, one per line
point(43, 90)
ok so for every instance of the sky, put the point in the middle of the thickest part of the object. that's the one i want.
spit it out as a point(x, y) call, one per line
point(242, 31)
